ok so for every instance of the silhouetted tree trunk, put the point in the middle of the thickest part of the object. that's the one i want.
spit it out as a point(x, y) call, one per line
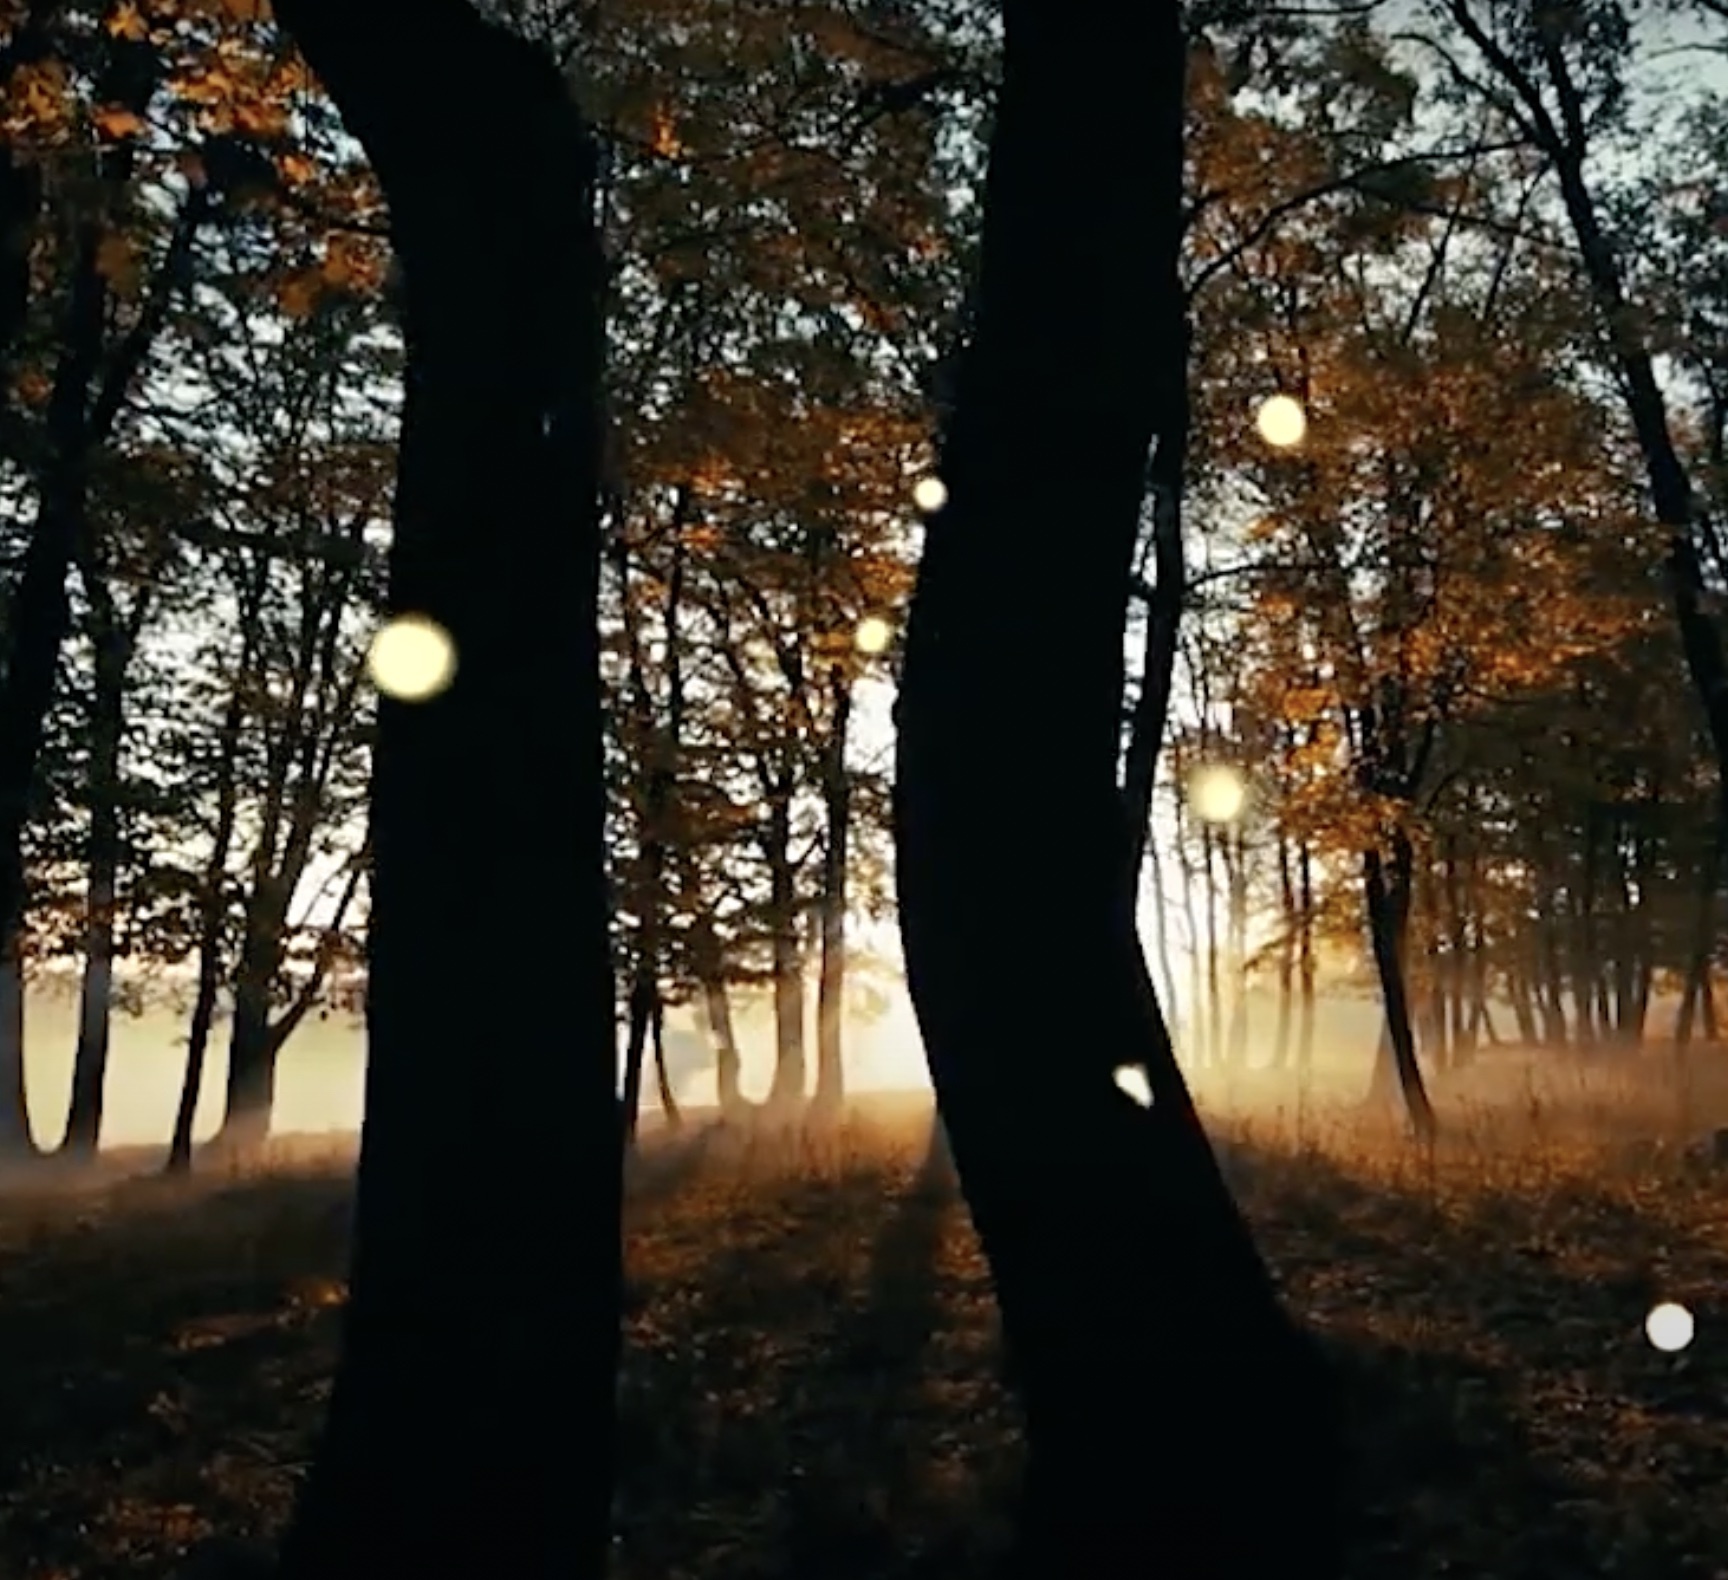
point(1286, 954)
point(669, 1111)
point(718, 1009)
point(831, 983)
point(1305, 958)
point(102, 878)
point(473, 1428)
point(90, 385)
point(1078, 303)
point(213, 901)
point(787, 1088)
point(1387, 888)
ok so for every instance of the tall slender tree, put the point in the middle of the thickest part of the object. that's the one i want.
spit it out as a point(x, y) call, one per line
point(1147, 1340)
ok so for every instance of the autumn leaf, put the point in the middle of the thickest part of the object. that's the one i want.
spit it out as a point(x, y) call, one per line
point(296, 169)
point(116, 121)
point(126, 23)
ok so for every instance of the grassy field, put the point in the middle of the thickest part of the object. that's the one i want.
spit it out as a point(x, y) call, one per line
point(809, 1387)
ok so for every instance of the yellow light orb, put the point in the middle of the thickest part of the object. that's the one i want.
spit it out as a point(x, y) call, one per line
point(1217, 794)
point(411, 658)
point(872, 635)
point(1131, 1079)
point(1669, 1326)
point(1281, 421)
point(930, 494)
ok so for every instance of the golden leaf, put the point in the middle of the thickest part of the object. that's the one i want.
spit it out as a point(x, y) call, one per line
point(261, 120)
point(126, 23)
point(296, 169)
point(116, 121)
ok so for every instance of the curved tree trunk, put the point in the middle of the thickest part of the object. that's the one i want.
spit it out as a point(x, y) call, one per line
point(469, 1431)
point(1079, 304)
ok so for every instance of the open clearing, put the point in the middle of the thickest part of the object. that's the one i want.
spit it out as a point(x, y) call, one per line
point(809, 1380)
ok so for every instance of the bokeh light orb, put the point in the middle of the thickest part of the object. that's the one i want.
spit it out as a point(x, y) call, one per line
point(1217, 793)
point(1131, 1079)
point(1281, 421)
point(411, 658)
point(930, 494)
point(1669, 1326)
point(872, 635)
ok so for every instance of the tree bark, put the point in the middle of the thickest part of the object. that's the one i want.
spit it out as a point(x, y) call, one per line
point(1053, 421)
point(1387, 888)
point(831, 983)
point(466, 1431)
point(786, 1091)
point(102, 878)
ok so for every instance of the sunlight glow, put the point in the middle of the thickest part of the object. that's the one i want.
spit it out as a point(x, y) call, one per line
point(1217, 793)
point(873, 635)
point(1669, 1326)
point(930, 494)
point(1131, 1079)
point(1281, 421)
point(411, 658)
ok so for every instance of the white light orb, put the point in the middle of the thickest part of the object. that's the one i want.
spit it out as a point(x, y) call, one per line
point(930, 494)
point(1131, 1079)
point(872, 635)
point(411, 658)
point(1281, 421)
point(1669, 1326)
point(1217, 793)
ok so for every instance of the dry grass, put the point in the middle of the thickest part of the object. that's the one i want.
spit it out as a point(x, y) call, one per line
point(809, 1387)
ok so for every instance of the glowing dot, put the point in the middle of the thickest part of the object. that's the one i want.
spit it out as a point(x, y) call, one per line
point(930, 494)
point(1281, 421)
point(1669, 1326)
point(411, 658)
point(1216, 794)
point(1131, 1079)
point(873, 635)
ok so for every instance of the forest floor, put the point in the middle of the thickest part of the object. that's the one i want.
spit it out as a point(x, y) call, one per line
point(809, 1386)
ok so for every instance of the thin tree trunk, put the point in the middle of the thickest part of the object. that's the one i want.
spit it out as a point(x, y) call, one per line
point(465, 1432)
point(787, 1088)
point(718, 1008)
point(1388, 904)
point(1305, 959)
point(669, 1111)
point(831, 984)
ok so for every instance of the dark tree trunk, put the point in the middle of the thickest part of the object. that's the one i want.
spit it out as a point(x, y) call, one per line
point(102, 869)
point(635, 1051)
point(1387, 887)
point(1286, 954)
point(213, 904)
point(1053, 420)
point(1305, 959)
point(470, 1431)
point(718, 1008)
point(787, 1088)
point(831, 983)
point(252, 1050)
point(669, 1111)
